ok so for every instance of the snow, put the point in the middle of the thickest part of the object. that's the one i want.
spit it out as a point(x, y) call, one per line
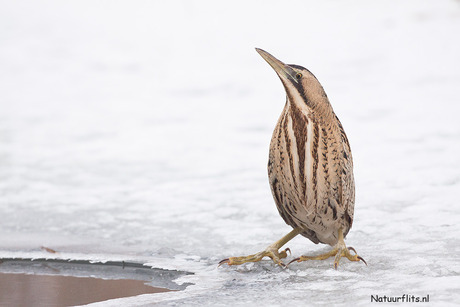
point(140, 131)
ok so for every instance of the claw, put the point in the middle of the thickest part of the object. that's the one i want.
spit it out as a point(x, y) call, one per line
point(360, 258)
point(352, 249)
point(283, 254)
point(338, 256)
point(293, 260)
point(226, 260)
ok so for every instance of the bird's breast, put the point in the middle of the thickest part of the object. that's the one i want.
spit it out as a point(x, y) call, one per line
point(306, 172)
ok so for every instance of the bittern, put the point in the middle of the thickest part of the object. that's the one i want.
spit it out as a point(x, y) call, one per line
point(310, 169)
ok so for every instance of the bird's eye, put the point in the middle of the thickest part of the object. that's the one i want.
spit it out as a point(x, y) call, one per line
point(298, 76)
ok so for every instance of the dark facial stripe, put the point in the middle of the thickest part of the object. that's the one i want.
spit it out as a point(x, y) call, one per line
point(300, 90)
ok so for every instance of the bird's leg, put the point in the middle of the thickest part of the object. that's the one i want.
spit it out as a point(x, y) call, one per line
point(340, 250)
point(271, 251)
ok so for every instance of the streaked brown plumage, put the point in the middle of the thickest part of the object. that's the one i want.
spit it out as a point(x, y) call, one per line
point(310, 165)
point(310, 168)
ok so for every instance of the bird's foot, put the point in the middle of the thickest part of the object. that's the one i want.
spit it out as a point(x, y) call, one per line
point(271, 252)
point(340, 250)
point(337, 252)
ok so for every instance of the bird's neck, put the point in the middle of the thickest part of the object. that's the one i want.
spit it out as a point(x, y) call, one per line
point(319, 103)
point(316, 107)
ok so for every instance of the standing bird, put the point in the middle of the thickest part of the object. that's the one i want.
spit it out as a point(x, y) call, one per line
point(310, 169)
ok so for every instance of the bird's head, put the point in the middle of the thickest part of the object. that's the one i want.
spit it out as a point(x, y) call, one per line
point(302, 87)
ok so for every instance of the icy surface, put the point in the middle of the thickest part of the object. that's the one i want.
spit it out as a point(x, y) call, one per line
point(140, 131)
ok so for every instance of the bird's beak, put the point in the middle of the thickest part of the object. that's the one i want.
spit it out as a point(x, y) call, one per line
point(283, 70)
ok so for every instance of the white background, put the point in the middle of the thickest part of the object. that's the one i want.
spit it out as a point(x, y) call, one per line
point(140, 130)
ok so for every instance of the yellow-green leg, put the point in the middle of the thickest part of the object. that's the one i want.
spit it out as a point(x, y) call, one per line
point(271, 251)
point(340, 250)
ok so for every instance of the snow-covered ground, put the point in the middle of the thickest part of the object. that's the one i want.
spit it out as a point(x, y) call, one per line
point(139, 130)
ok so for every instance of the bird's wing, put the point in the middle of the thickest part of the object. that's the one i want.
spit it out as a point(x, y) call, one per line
point(347, 178)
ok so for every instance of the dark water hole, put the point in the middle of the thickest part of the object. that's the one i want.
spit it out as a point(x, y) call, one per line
point(43, 282)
